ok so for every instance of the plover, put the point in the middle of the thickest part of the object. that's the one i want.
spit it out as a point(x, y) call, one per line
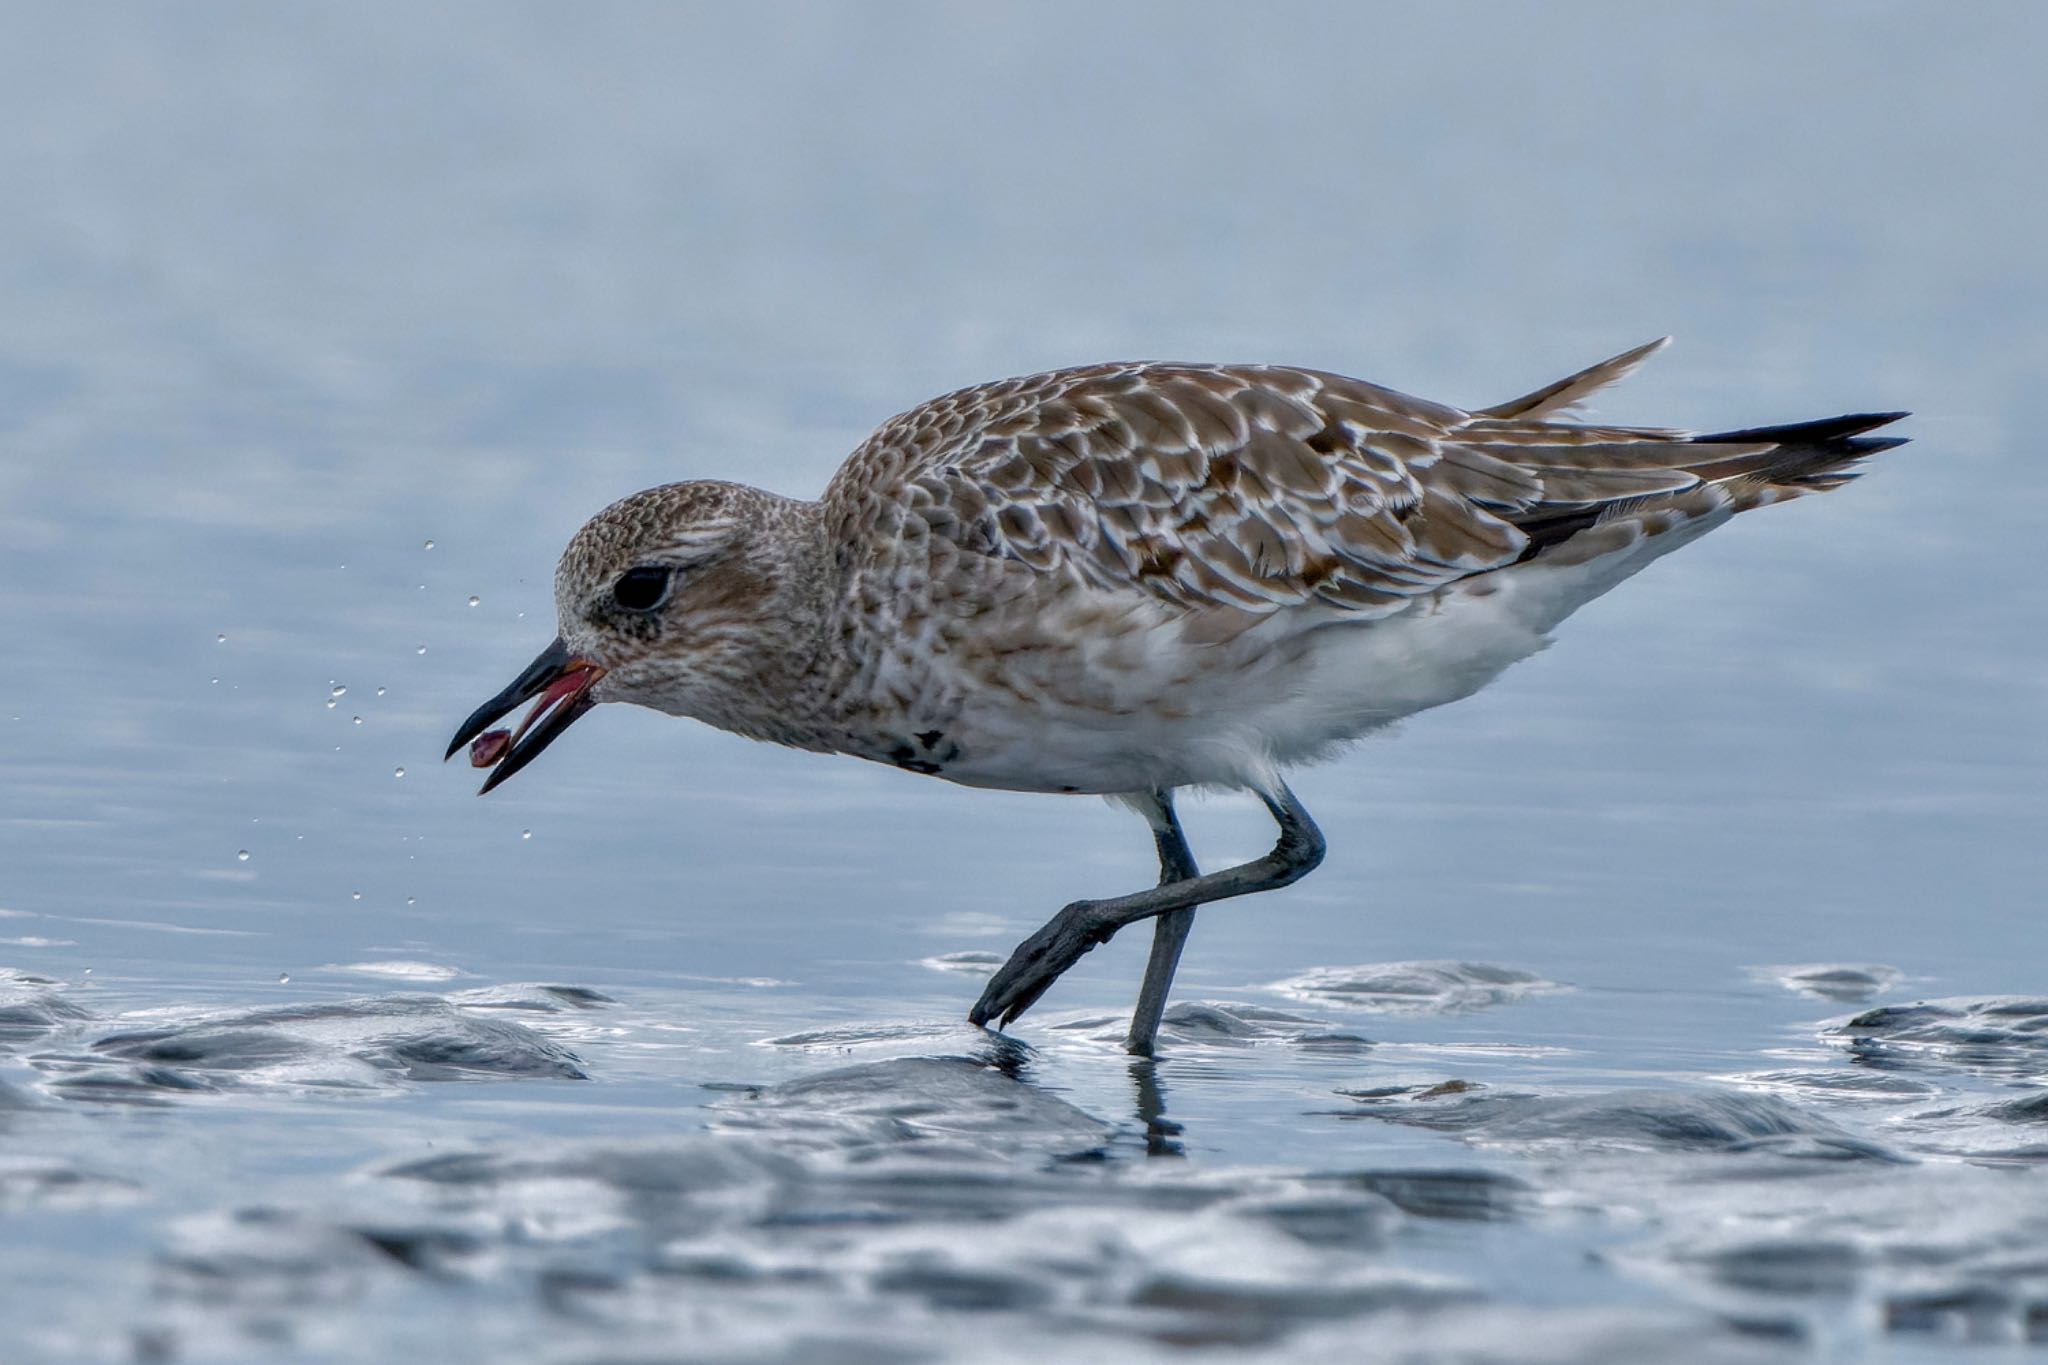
point(1128, 579)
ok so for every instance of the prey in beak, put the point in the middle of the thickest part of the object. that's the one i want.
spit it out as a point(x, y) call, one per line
point(561, 680)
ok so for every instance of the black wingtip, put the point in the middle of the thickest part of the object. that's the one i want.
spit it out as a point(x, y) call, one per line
point(1807, 433)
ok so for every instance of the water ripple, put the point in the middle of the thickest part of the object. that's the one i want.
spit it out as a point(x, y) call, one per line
point(1416, 987)
point(361, 1044)
point(2000, 1035)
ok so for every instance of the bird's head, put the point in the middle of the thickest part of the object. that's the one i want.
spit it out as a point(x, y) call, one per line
point(672, 598)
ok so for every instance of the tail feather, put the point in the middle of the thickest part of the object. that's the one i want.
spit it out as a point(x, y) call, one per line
point(1748, 468)
point(1801, 456)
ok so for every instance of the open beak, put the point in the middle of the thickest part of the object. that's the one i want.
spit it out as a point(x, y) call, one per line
point(562, 681)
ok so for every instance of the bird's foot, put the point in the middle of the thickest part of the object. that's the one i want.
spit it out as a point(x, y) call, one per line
point(1039, 961)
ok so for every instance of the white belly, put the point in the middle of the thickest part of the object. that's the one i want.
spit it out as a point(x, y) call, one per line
point(1162, 708)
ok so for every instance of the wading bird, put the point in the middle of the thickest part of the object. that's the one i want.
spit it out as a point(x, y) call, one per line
point(1127, 579)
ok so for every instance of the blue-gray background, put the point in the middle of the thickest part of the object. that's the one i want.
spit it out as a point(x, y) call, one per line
point(287, 293)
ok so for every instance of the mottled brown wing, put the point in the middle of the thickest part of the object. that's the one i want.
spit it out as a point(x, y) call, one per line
point(1256, 487)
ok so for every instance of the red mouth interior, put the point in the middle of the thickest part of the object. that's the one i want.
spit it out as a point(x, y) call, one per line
point(491, 746)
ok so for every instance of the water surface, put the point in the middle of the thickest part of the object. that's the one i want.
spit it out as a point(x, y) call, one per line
point(1679, 997)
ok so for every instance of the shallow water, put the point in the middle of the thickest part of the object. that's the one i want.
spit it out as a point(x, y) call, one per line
point(1680, 997)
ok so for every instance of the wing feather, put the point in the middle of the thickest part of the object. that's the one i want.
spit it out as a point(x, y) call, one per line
point(1574, 389)
point(1263, 487)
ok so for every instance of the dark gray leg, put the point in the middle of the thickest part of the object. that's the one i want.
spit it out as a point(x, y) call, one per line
point(1176, 864)
point(1039, 960)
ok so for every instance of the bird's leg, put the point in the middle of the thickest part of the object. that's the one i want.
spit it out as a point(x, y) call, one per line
point(1039, 960)
point(1176, 864)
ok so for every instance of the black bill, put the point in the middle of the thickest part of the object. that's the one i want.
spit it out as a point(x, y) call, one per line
point(562, 681)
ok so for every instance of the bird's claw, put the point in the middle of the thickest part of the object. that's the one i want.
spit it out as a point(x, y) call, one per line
point(1038, 962)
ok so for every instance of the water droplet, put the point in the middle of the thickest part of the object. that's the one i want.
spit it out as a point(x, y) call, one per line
point(380, 691)
point(428, 546)
point(474, 600)
point(421, 650)
point(412, 900)
point(355, 720)
point(526, 834)
point(283, 977)
point(216, 682)
point(242, 855)
point(339, 691)
point(355, 895)
point(220, 639)
point(330, 703)
point(398, 772)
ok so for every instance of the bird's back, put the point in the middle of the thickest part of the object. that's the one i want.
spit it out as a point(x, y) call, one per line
point(1266, 487)
point(1132, 549)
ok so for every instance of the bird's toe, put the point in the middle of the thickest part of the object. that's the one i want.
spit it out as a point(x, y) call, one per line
point(1037, 962)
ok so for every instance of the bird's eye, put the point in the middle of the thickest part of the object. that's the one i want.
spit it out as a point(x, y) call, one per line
point(643, 588)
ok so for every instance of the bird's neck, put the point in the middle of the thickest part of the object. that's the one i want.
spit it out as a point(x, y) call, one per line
point(784, 688)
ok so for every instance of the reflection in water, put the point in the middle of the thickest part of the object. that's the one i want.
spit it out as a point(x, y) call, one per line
point(1162, 1134)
